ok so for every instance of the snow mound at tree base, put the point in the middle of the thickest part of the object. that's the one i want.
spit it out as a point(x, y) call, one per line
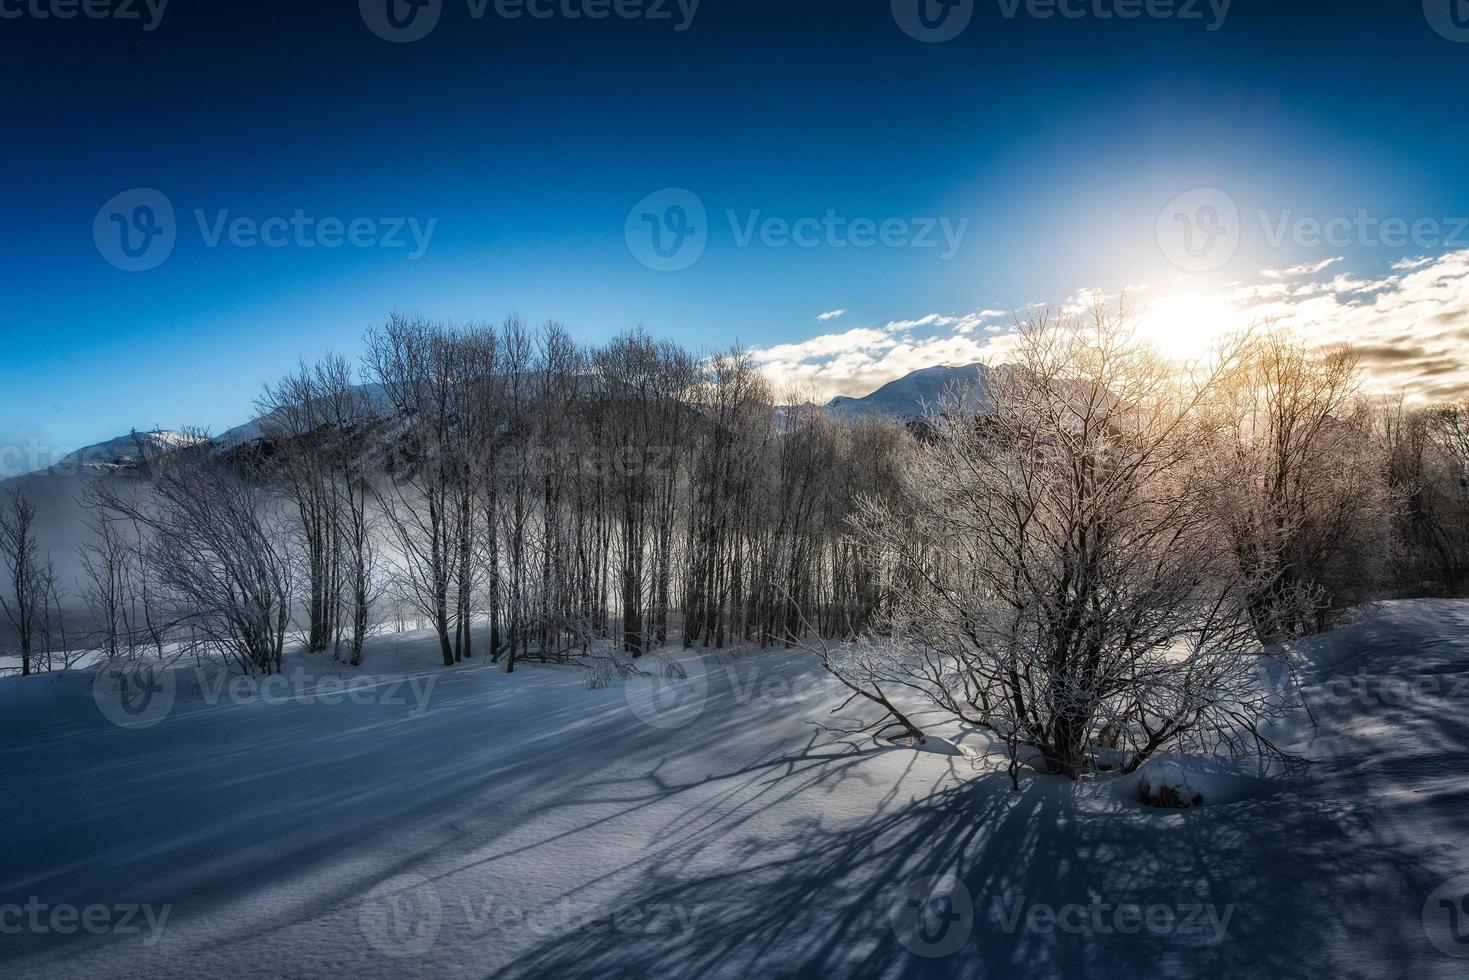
point(1183, 783)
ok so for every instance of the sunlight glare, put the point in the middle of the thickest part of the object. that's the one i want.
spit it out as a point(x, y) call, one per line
point(1186, 326)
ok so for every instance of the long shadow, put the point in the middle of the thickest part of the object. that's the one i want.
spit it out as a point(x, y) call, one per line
point(1316, 879)
point(1276, 872)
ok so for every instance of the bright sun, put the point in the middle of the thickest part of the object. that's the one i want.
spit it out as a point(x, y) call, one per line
point(1185, 326)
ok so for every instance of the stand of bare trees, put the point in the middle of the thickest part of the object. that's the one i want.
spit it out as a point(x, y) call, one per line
point(1086, 559)
point(1301, 479)
point(1427, 452)
point(559, 496)
point(315, 422)
point(215, 543)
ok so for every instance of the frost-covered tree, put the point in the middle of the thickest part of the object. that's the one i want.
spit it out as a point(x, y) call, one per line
point(1303, 481)
point(1056, 569)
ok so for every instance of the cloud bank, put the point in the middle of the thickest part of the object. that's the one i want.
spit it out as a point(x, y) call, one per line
point(1410, 324)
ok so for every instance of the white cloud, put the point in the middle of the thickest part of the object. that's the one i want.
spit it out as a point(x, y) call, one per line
point(1295, 272)
point(831, 315)
point(825, 347)
point(1411, 325)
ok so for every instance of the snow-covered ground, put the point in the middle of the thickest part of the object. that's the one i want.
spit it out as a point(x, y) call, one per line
point(401, 822)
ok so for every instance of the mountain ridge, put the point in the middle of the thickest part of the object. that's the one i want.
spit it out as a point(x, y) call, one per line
point(909, 396)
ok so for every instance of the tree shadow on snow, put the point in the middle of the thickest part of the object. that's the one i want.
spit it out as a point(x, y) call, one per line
point(1277, 873)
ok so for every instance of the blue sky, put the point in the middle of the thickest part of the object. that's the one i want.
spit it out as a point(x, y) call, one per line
point(1056, 143)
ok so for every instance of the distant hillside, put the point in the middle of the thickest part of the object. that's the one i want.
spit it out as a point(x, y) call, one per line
point(907, 397)
point(123, 450)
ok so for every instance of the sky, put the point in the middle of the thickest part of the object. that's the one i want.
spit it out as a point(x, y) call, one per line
point(200, 194)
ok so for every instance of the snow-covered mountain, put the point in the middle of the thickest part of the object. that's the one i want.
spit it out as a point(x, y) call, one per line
point(908, 397)
point(123, 450)
point(905, 398)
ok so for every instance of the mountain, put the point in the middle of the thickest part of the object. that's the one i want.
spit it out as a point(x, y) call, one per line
point(908, 397)
point(123, 450)
point(905, 398)
point(57, 491)
point(373, 394)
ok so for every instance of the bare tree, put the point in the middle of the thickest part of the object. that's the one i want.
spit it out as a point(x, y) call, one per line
point(293, 420)
point(1307, 498)
point(1446, 490)
point(1056, 569)
point(215, 542)
point(52, 626)
point(108, 563)
point(316, 421)
point(25, 578)
point(416, 366)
